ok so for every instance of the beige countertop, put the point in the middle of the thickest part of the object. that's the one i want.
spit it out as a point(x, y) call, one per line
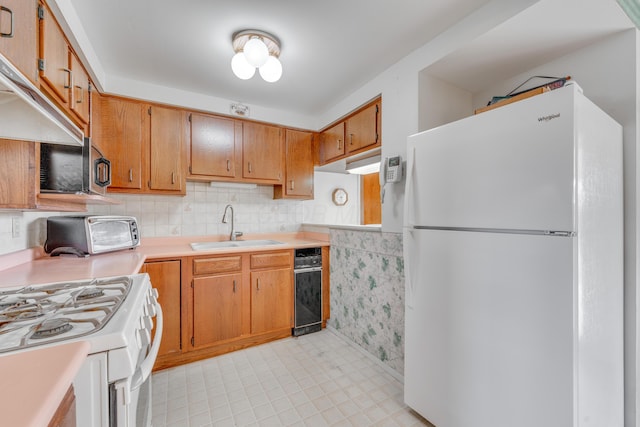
point(32, 390)
point(33, 266)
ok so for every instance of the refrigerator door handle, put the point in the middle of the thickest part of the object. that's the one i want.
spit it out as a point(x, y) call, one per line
point(410, 197)
point(409, 266)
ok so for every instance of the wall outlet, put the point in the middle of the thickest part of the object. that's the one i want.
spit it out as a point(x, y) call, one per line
point(15, 227)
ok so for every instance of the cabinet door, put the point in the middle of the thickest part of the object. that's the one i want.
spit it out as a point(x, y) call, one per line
point(213, 145)
point(262, 151)
point(361, 129)
point(299, 164)
point(18, 35)
point(165, 277)
point(80, 89)
point(166, 140)
point(121, 131)
point(217, 309)
point(332, 143)
point(17, 174)
point(54, 57)
point(271, 300)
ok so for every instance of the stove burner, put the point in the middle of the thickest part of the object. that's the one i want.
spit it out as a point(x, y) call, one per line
point(89, 293)
point(52, 327)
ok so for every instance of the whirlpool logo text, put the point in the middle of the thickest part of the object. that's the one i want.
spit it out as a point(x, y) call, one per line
point(549, 117)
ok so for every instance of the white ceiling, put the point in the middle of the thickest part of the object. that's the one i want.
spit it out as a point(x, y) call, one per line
point(330, 48)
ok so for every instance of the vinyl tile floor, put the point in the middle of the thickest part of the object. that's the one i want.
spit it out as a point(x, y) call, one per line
point(314, 380)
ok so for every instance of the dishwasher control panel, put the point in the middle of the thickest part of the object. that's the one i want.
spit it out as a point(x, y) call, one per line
point(307, 258)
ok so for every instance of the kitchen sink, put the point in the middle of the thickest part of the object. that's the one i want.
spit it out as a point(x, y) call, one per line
point(205, 246)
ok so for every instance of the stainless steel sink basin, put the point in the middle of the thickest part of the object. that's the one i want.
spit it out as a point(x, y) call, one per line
point(205, 246)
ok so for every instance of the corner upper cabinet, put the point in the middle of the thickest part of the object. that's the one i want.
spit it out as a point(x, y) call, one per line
point(216, 148)
point(358, 132)
point(121, 132)
point(166, 139)
point(262, 153)
point(19, 35)
point(298, 166)
point(362, 130)
point(332, 143)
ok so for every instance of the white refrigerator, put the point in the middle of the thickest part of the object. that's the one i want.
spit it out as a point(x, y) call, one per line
point(513, 245)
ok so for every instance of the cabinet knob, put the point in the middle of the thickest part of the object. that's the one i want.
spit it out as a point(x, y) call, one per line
point(130, 175)
point(234, 286)
point(292, 185)
point(249, 167)
point(228, 165)
point(258, 284)
point(173, 178)
point(70, 73)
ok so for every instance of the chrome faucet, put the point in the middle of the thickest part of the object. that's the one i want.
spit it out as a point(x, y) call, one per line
point(233, 234)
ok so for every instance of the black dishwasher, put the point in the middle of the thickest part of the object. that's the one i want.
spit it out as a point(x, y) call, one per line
point(307, 269)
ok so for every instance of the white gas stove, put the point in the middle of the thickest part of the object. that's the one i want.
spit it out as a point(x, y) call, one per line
point(114, 314)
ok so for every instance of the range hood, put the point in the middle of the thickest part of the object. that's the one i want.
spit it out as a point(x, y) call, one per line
point(26, 114)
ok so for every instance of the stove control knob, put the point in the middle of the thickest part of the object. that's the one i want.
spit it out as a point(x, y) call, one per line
point(147, 323)
point(154, 292)
point(152, 310)
point(145, 338)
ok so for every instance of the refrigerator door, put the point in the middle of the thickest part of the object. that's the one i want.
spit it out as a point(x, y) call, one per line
point(489, 328)
point(509, 168)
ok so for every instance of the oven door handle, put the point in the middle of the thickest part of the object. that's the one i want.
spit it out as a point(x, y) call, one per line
point(144, 370)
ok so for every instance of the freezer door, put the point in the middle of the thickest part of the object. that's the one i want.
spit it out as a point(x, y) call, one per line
point(489, 329)
point(510, 168)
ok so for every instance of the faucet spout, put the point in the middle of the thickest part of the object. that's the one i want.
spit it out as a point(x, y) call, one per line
point(233, 234)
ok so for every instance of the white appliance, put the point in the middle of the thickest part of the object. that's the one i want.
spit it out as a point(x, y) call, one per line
point(115, 315)
point(514, 267)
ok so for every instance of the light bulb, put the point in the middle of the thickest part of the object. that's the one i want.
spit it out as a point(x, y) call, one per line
point(271, 71)
point(256, 52)
point(241, 68)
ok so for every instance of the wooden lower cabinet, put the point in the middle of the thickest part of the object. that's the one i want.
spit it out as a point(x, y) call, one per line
point(225, 302)
point(166, 278)
point(217, 309)
point(271, 300)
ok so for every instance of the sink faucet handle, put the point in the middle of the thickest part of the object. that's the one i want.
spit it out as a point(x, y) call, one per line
point(237, 233)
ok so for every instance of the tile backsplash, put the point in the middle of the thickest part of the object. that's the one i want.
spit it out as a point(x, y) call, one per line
point(199, 212)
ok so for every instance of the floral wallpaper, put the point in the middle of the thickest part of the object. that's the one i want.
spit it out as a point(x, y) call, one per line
point(367, 292)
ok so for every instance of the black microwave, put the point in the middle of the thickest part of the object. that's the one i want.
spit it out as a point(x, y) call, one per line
point(72, 169)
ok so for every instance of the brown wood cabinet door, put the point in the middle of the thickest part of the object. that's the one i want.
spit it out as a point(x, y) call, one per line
point(80, 91)
point(213, 145)
point(299, 164)
point(371, 203)
point(217, 309)
point(165, 277)
point(166, 140)
point(332, 143)
point(271, 300)
point(17, 174)
point(262, 152)
point(361, 129)
point(54, 56)
point(120, 131)
point(18, 35)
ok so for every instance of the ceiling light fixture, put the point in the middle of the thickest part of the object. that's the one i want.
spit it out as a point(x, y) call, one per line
point(256, 49)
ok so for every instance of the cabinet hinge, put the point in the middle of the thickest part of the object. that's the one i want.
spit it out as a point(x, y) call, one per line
point(193, 342)
point(149, 111)
point(376, 136)
point(189, 117)
point(190, 170)
point(149, 184)
point(40, 12)
point(377, 108)
point(192, 280)
point(89, 88)
point(41, 64)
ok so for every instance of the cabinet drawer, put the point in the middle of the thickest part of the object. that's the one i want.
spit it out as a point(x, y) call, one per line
point(271, 259)
point(217, 265)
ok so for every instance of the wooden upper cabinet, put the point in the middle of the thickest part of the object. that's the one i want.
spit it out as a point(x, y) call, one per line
point(362, 129)
point(80, 89)
point(262, 151)
point(120, 132)
point(19, 35)
point(167, 133)
point(54, 64)
point(298, 166)
point(216, 149)
point(332, 143)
